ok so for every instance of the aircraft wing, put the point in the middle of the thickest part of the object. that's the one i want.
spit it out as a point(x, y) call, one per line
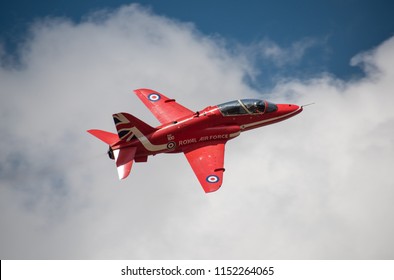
point(163, 108)
point(207, 163)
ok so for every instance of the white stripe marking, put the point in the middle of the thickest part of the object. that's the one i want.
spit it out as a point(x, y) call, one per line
point(146, 143)
point(269, 120)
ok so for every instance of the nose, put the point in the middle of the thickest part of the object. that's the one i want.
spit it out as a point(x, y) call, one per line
point(289, 108)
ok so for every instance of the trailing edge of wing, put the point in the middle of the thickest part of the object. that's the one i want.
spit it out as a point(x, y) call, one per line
point(163, 108)
point(207, 163)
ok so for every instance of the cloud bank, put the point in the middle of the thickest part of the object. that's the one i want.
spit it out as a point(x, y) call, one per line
point(280, 56)
point(318, 186)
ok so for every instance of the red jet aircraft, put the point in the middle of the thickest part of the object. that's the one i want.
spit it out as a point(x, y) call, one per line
point(200, 135)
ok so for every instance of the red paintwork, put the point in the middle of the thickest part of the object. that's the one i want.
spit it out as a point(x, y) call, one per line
point(200, 135)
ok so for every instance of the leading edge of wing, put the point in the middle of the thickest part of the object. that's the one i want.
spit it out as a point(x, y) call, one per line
point(207, 163)
point(163, 108)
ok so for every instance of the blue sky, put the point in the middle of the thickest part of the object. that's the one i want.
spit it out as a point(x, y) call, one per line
point(339, 29)
point(317, 186)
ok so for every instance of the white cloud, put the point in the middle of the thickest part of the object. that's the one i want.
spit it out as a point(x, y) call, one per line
point(316, 186)
point(282, 56)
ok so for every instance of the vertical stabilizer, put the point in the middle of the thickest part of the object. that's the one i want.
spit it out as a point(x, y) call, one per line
point(125, 123)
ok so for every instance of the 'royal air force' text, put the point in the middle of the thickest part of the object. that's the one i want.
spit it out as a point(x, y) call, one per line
point(202, 139)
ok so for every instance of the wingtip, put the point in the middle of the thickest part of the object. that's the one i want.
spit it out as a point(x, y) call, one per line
point(141, 90)
point(211, 187)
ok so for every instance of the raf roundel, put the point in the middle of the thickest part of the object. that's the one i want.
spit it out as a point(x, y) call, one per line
point(212, 179)
point(154, 97)
point(171, 145)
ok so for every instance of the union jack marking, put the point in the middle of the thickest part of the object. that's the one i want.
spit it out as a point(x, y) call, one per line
point(123, 127)
point(125, 132)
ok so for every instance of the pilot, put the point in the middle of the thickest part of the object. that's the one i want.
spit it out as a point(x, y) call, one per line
point(255, 108)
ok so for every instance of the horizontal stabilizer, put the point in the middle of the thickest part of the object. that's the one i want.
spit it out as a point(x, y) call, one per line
point(107, 137)
point(124, 161)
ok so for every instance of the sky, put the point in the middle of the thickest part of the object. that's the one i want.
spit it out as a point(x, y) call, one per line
point(317, 186)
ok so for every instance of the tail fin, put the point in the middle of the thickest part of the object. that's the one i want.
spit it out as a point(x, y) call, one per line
point(107, 137)
point(126, 126)
point(124, 123)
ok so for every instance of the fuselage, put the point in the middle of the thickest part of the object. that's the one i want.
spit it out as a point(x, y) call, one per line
point(210, 126)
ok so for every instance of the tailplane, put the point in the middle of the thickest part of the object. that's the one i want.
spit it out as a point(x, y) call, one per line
point(107, 137)
point(123, 157)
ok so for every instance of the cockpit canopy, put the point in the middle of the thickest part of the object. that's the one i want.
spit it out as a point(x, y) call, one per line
point(246, 106)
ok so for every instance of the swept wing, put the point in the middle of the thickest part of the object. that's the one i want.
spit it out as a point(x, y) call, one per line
point(163, 108)
point(208, 164)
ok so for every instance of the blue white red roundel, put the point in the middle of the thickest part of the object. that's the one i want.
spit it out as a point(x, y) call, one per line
point(171, 145)
point(212, 179)
point(154, 97)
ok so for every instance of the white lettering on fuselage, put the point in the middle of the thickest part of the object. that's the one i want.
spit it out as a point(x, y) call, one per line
point(187, 141)
point(217, 137)
point(203, 139)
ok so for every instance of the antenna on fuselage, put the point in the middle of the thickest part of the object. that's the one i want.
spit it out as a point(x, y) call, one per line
point(302, 106)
